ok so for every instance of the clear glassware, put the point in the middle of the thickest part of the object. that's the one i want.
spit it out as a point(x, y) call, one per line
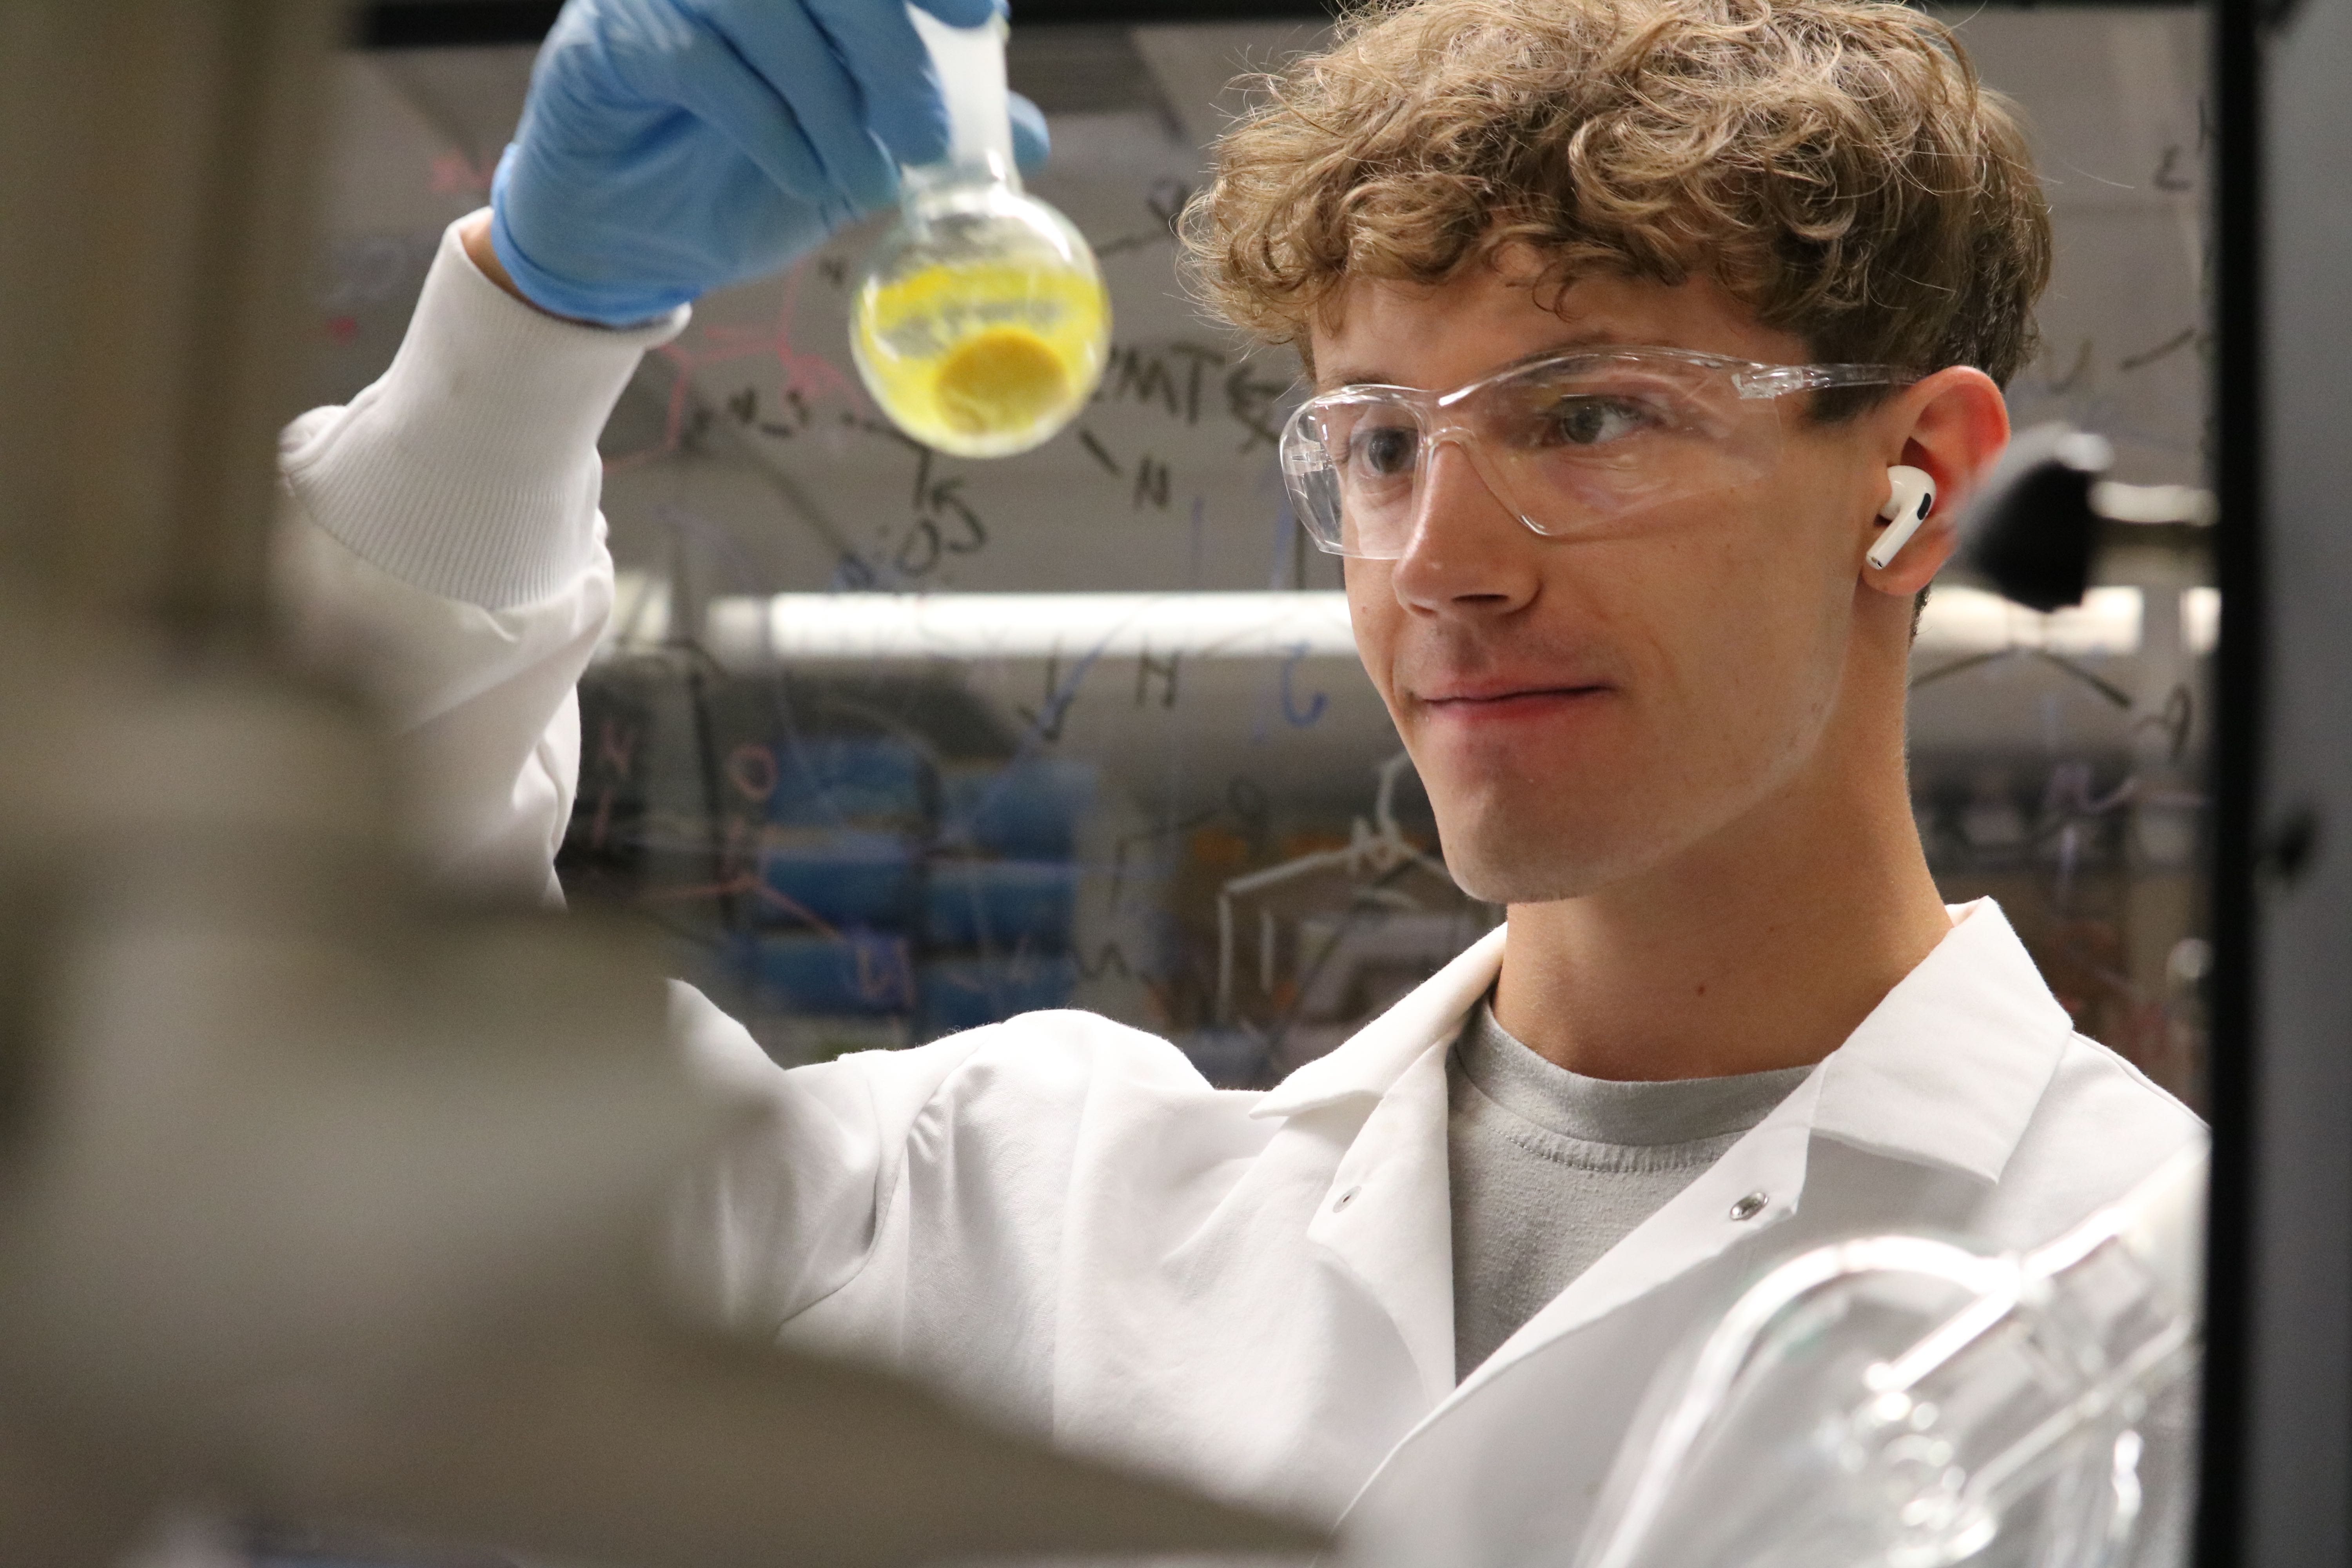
point(1895, 1402)
point(981, 324)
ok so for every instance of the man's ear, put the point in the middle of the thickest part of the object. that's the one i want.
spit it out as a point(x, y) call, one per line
point(1953, 425)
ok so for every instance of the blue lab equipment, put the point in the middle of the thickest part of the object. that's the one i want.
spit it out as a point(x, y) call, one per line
point(850, 974)
point(851, 781)
point(1029, 810)
point(998, 904)
point(838, 876)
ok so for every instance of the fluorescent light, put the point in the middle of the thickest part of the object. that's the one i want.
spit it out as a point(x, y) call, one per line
point(2120, 502)
point(2200, 619)
point(640, 612)
point(1971, 620)
point(812, 627)
point(919, 626)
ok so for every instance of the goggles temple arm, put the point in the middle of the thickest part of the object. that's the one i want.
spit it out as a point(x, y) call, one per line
point(1781, 380)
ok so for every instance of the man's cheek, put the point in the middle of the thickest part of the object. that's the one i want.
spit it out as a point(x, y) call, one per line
point(1374, 624)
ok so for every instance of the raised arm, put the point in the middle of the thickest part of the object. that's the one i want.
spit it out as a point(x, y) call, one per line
point(444, 531)
point(444, 540)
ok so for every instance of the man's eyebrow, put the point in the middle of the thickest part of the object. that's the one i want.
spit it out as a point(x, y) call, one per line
point(1596, 338)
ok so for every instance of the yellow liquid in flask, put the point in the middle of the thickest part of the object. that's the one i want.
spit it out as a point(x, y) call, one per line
point(981, 359)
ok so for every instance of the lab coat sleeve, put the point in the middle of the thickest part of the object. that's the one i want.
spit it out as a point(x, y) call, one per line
point(441, 545)
point(789, 1206)
point(913, 1209)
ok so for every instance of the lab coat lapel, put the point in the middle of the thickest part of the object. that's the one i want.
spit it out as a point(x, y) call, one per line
point(1385, 1219)
point(1751, 1190)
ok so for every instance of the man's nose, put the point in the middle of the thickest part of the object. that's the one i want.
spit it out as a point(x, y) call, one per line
point(1469, 552)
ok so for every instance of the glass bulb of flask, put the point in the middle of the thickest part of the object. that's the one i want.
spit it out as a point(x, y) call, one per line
point(980, 324)
point(1897, 1401)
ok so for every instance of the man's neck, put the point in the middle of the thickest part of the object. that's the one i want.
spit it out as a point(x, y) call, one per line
point(1763, 947)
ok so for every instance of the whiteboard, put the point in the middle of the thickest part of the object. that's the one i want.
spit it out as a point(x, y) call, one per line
point(2054, 766)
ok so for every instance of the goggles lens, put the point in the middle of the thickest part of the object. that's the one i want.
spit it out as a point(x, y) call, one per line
point(1576, 445)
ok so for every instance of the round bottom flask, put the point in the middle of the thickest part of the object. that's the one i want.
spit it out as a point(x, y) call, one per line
point(981, 324)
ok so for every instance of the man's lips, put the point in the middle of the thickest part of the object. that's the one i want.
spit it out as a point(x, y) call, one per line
point(1485, 698)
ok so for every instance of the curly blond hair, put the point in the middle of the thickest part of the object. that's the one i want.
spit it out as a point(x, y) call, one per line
point(1833, 165)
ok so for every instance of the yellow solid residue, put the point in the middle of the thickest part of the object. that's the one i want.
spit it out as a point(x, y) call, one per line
point(998, 381)
point(983, 359)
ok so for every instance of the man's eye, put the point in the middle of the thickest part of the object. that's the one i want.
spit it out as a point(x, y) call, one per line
point(1387, 452)
point(1594, 421)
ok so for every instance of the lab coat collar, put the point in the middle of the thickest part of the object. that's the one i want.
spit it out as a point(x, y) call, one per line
point(1385, 1217)
point(1946, 1069)
point(1376, 1055)
point(1949, 1067)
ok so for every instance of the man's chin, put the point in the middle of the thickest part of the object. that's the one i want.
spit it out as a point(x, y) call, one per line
point(1541, 857)
point(1522, 871)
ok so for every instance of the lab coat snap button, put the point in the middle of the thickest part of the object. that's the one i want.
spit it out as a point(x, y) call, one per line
point(1749, 1206)
point(1345, 1199)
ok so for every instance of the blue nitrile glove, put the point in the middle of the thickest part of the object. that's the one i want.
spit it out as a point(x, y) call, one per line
point(670, 147)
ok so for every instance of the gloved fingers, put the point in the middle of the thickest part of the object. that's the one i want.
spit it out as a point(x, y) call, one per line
point(880, 48)
point(1033, 143)
point(804, 75)
point(713, 83)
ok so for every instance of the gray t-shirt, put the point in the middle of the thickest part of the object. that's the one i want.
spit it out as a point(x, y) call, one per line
point(1551, 1169)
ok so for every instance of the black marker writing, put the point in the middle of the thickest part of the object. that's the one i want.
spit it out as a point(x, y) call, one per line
point(1147, 666)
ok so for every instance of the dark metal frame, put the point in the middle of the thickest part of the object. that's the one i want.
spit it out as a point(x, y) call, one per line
point(2278, 1452)
point(433, 24)
point(451, 24)
point(436, 24)
point(2236, 237)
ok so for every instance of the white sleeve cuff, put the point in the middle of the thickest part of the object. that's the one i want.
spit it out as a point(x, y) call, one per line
point(469, 469)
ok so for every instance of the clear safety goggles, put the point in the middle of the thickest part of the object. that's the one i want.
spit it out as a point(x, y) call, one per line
point(1573, 444)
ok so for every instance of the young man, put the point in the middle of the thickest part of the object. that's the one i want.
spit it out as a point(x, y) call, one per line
point(1620, 313)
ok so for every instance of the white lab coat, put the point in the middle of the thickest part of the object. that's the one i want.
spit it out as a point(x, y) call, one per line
point(1058, 1220)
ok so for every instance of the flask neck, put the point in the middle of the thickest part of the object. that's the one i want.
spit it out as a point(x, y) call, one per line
point(970, 64)
point(926, 187)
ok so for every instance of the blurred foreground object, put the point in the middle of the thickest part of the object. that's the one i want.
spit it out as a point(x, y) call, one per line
point(2036, 527)
point(1894, 1402)
point(320, 1204)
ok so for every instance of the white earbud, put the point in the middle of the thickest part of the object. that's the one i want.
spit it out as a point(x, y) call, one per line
point(1912, 498)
